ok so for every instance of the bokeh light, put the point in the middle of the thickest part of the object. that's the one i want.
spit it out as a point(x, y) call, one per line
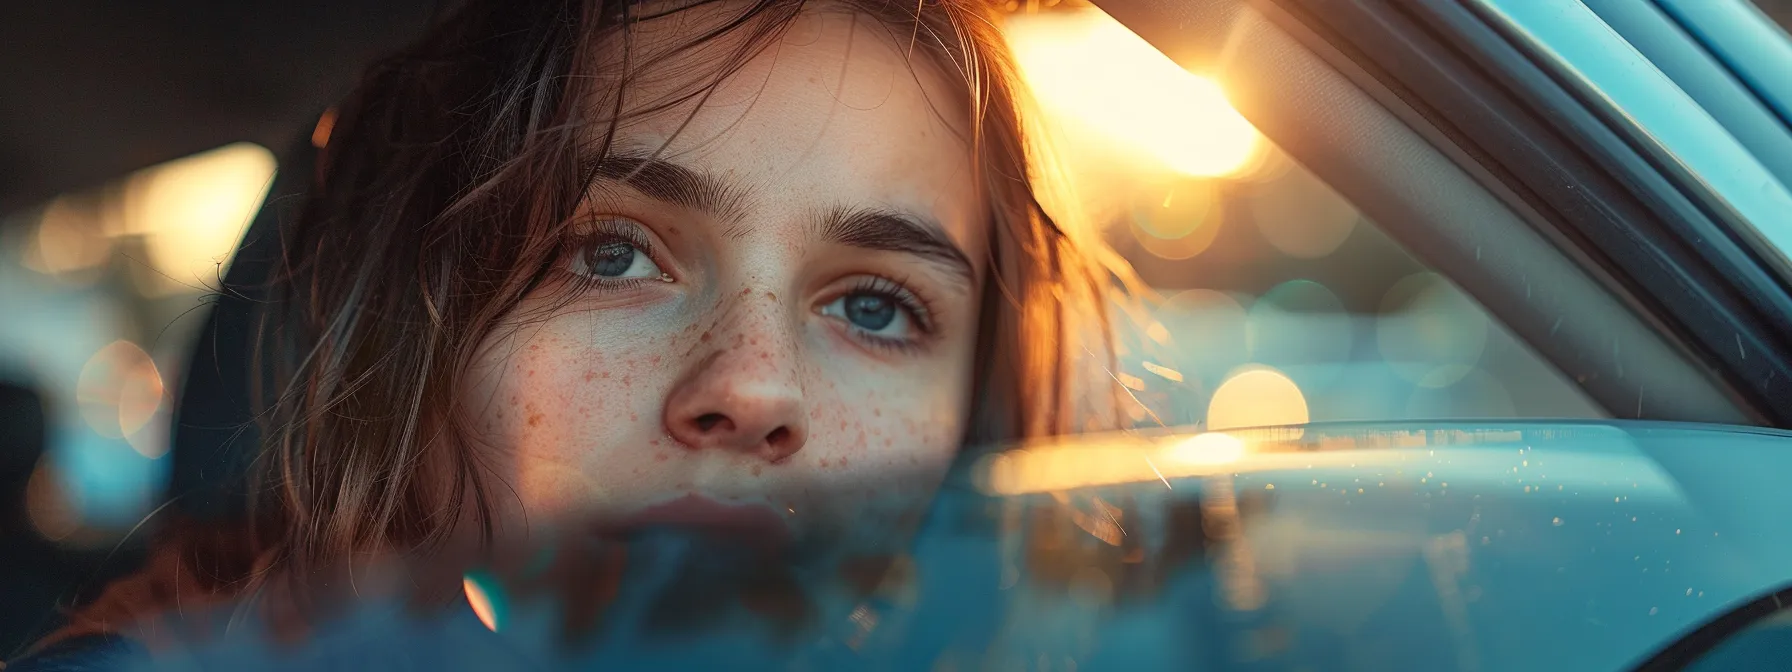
point(1256, 397)
point(119, 390)
point(1430, 332)
point(1179, 221)
point(193, 211)
point(1085, 64)
point(1300, 215)
point(68, 238)
point(54, 509)
point(1301, 327)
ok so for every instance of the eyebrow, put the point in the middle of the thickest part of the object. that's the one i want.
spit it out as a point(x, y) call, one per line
point(861, 227)
point(892, 231)
point(670, 183)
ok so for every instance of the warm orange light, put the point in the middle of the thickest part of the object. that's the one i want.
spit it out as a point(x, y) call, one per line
point(1088, 66)
point(192, 211)
point(119, 390)
point(1256, 397)
point(54, 508)
point(1211, 448)
point(69, 238)
point(1181, 222)
point(320, 134)
point(481, 603)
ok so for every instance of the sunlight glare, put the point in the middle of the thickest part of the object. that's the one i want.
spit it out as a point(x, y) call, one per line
point(1088, 66)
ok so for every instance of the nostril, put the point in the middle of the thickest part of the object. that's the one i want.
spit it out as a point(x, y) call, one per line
point(708, 421)
point(778, 437)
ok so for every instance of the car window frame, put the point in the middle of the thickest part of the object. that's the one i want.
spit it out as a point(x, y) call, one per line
point(1595, 189)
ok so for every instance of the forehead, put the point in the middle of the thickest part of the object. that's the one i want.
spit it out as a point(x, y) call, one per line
point(831, 112)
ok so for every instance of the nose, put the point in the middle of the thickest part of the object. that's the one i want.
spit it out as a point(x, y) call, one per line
point(744, 399)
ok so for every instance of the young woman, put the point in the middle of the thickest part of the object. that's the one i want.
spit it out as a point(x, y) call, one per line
point(757, 266)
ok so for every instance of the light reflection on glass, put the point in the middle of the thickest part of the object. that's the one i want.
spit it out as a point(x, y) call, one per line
point(483, 605)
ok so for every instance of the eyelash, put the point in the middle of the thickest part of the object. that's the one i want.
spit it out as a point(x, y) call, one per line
point(906, 299)
point(607, 231)
point(603, 232)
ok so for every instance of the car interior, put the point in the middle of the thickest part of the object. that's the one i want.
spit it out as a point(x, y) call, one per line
point(1473, 189)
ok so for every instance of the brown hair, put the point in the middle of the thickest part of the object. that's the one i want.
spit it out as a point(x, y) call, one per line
point(439, 204)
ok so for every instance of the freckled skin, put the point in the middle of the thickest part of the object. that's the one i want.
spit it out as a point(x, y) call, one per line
point(740, 333)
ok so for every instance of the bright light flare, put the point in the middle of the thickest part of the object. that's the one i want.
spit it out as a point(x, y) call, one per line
point(1211, 449)
point(193, 211)
point(1257, 397)
point(1088, 66)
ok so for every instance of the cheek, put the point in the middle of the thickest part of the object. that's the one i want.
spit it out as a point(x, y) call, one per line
point(553, 407)
point(888, 437)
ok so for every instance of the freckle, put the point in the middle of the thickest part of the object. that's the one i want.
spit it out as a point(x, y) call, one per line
point(535, 419)
point(755, 470)
point(771, 296)
point(661, 457)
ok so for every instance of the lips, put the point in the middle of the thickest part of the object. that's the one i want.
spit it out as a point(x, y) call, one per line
point(754, 525)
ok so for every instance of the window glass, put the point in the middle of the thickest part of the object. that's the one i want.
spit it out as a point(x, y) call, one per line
point(1276, 300)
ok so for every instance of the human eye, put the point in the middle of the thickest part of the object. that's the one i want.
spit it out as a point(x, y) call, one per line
point(611, 252)
point(882, 313)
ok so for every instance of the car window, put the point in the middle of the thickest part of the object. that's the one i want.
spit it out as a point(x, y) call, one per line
point(1275, 299)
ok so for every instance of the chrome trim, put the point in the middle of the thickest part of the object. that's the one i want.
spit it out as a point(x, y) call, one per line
point(1582, 46)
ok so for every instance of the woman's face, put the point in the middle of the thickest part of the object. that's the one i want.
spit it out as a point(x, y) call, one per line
point(776, 301)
